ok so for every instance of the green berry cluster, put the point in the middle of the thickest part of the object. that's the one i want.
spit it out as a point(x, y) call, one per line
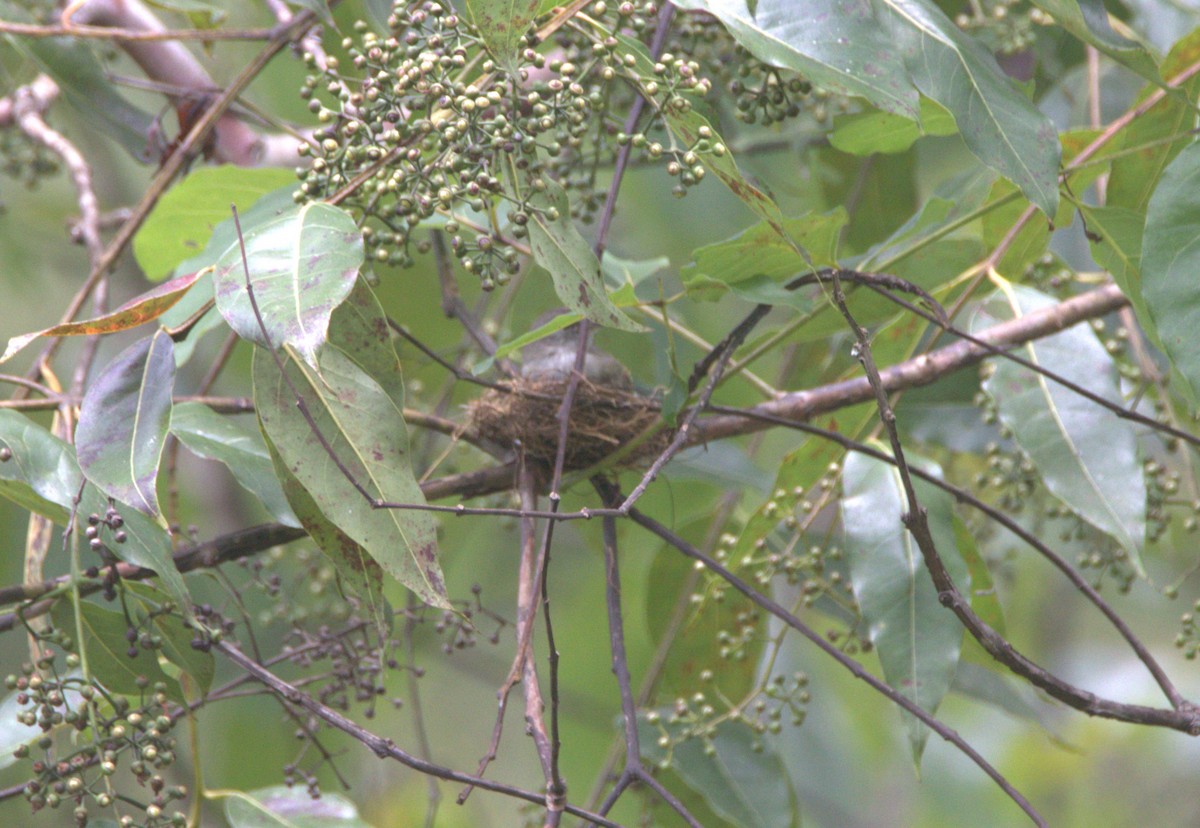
point(79, 777)
point(1005, 26)
point(431, 133)
point(24, 160)
point(1188, 638)
point(697, 717)
point(422, 129)
point(1010, 474)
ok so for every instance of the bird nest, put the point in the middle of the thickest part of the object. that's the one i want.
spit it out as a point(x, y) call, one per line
point(603, 421)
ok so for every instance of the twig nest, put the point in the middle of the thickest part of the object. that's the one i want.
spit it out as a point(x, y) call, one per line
point(603, 420)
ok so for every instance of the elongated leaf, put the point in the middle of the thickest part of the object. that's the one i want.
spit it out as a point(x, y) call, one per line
point(840, 44)
point(43, 476)
point(145, 308)
point(998, 123)
point(1086, 456)
point(1156, 136)
point(558, 247)
point(740, 776)
point(200, 13)
point(177, 636)
point(866, 133)
point(1116, 242)
point(759, 252)
point(887, 51)
point(319, 7)
point(123, 422)
point(355, 566)
point(284, 807)
point(502, 24)
point(917, 639)
point(1168, 264)
point(106, 646)
point(698, 133)
point(302, 265)
point(365, 429)
point(183, 220)
point(208, 434)
point(1088, 21)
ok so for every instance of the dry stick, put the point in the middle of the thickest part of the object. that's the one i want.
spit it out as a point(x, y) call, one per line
point(1080, 700)
point(941, 320)
point(557, 788)
point(523, 667)
point(133, 35)
point(923, 369)
point(222, 405)
point(381, 747)
point(714, 363)
point(634, 770)
point(803, 405)
point(856, 669)
point(174, 163)
point(1185, 716)
point(223, 549)
point(1168, 688)
point(425, 749)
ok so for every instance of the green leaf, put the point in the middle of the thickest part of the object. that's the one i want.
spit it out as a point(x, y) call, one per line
point(123, 423)
point(1156, 136)
point(303, 263)
point(1086, 456)
point(1030, 241)
point(1171, 254)
point(917, 639)
point(355, 566)
point(697, 133)
point(888, 50)
point(558, 247)
point(107, 650)
point(1000, 691)
point(1118, 249)
point(177, 636)
point(1088, 21)
point(866, 133)
point(740, 776)
point(839, 44)
point(212, 436)
point(183, 220)
point(365, 429)
point(137, 311)
point(997, 122)
point(621, 272)
point(761, 251)
point(984, 600)
point(43, 476)
point(502, 24)
point(284, 807)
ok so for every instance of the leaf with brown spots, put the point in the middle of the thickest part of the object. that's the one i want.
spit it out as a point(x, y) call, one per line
point(502, 24)
point(558, 247)
point(137, 311)
point(362, 423)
